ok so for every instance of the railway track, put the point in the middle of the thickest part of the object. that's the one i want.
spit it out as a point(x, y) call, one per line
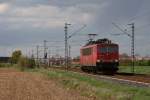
point(118, 80)
point(132, 80)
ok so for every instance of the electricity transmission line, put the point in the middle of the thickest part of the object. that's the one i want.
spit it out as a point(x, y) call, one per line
point(132, 36)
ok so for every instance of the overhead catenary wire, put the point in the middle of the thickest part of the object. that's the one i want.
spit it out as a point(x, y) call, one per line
point(124, 31)
point(139, 16)
point(76, 32)
point(132, 41)
point(134, 18)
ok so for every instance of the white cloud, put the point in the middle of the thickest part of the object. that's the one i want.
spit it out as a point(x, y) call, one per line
point(44, 19)
point(45, 16)
point(4, 7)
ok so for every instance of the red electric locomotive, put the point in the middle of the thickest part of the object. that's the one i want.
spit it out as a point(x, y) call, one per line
point(101, 55)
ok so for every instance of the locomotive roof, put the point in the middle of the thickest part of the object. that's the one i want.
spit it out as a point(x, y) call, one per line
point(99, 41)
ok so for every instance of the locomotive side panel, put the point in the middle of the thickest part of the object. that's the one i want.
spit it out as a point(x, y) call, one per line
point(88, 56)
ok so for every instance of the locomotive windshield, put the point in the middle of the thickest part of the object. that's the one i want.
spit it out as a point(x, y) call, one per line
point(108, 49)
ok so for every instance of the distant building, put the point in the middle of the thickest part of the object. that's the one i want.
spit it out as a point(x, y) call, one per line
point(124, 56)
point(137, 57)
point(146, 58)
point(76, 60)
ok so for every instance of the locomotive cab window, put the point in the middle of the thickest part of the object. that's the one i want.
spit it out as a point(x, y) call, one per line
point(86, 51)
point(108, 49)
point(113, 49)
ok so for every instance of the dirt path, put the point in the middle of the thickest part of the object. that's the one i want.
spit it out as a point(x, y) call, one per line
point(16, 85)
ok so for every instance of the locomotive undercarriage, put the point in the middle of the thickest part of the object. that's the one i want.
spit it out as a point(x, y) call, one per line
point(105, 68)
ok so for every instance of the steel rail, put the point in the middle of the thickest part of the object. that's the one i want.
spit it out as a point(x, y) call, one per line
point(112, 79)
point(117, 80)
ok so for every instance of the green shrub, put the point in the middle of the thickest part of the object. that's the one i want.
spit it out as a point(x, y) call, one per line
point(15, 56)
point(1, 65)
point(25, 62)
point(137, 63)
point(148, 62)
point(125, 62)
point(5, 65)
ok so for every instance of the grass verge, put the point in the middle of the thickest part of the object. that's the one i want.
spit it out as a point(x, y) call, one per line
point(92, 88)
point(138, 69)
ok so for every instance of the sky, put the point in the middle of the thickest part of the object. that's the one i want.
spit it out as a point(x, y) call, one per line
point(27, 23)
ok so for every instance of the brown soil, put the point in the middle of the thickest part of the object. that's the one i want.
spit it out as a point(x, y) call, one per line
point(15, 85)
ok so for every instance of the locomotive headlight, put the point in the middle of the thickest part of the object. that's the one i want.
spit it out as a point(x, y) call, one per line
point(98, 60)
point(116, 60)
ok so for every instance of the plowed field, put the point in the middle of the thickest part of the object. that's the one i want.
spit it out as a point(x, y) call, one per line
point(15, 85)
